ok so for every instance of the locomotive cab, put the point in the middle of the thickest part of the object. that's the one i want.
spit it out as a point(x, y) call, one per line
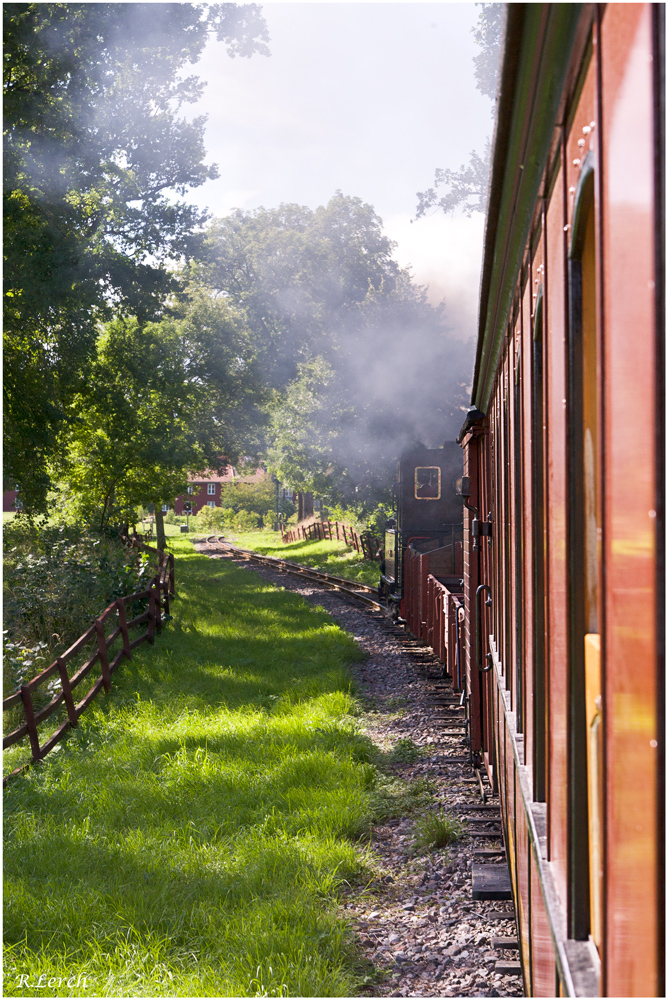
point(429, 514)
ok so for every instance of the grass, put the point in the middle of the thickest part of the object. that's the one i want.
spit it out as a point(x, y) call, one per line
point(331, 557)
point(191, 836)
point(435, 830)
point(405, 751)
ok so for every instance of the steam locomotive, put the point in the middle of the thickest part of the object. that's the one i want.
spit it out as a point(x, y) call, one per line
point(541, 588)
point(429, 516)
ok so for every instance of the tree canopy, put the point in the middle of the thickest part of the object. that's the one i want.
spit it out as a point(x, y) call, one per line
point(164, 399)
point(466, 188)
point(298, 274)
point(97, 158)
point(359, 362)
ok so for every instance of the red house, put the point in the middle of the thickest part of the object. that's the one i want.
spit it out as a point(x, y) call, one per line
point(205, 490)
point(9, 501)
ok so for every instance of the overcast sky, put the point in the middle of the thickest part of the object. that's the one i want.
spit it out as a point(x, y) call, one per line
point(368, 98)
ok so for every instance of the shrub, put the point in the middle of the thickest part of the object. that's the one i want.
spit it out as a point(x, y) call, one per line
point(242, 520)
point(57, 580)
point(210, 520)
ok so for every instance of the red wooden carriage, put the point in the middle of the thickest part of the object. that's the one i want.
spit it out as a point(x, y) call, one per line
point(563, 450)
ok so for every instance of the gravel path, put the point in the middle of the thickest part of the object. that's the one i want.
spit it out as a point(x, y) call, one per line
point(419, 931)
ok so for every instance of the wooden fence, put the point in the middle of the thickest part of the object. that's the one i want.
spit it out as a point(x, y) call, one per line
point(157, 594)
point(365, 543)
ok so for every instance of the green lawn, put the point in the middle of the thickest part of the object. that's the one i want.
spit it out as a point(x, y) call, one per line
point(191, 836)
point(332, 557)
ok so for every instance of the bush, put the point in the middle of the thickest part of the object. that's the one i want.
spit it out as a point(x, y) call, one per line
point(258, 498)
point(210, 520)
point(57, 580)
point(242, 520)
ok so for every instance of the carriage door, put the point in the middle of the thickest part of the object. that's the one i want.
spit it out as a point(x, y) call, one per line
point(585, 742)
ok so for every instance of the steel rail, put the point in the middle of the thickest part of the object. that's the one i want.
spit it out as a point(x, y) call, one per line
point(358, 590)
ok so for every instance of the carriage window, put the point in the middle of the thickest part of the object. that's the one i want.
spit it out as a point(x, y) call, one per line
point(428, 482)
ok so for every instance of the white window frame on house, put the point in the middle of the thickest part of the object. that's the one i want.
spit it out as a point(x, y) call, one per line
point(165, 508)
point(189, 490)
point(211, 489)
point(211, 503)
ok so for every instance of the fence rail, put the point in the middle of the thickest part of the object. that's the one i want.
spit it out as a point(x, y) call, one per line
point(158, 593)
point(365, 543)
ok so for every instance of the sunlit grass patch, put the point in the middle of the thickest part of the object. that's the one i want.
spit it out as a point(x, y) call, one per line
point(191, 835)
point(331, 557)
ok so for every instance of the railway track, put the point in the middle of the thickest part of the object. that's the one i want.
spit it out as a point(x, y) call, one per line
point(360, 591)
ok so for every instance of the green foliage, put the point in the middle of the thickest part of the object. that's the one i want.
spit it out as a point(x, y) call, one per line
point(434, 830)
point(258, 496)
point(220, 520)
point(349, 343)
point(397, 797)
point(297, 274)
point(360, 517)
point(209, 520)
point(191, 836)
point(95, 147)
point(57, 579)
point(242, 520)
point(466, 188)
point(163, 400)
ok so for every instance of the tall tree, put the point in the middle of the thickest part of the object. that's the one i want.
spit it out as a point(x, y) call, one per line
point(360, 362)
point(298, 274)
point(97, 152)
point(163, 400)
point(466, 188)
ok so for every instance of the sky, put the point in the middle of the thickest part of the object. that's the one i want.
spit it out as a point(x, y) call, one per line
point(368, 98)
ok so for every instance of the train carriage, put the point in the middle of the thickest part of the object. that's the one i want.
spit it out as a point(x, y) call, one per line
point(563, 471)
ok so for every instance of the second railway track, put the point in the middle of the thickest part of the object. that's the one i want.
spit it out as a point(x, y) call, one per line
point(360, 591)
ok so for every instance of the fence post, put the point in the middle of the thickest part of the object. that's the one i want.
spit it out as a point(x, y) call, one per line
point(26, 698)
point(164, 586)
point(152, 616)
point(158, 605)
point(123, 624)
point(67, 691)
point(104, 659)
